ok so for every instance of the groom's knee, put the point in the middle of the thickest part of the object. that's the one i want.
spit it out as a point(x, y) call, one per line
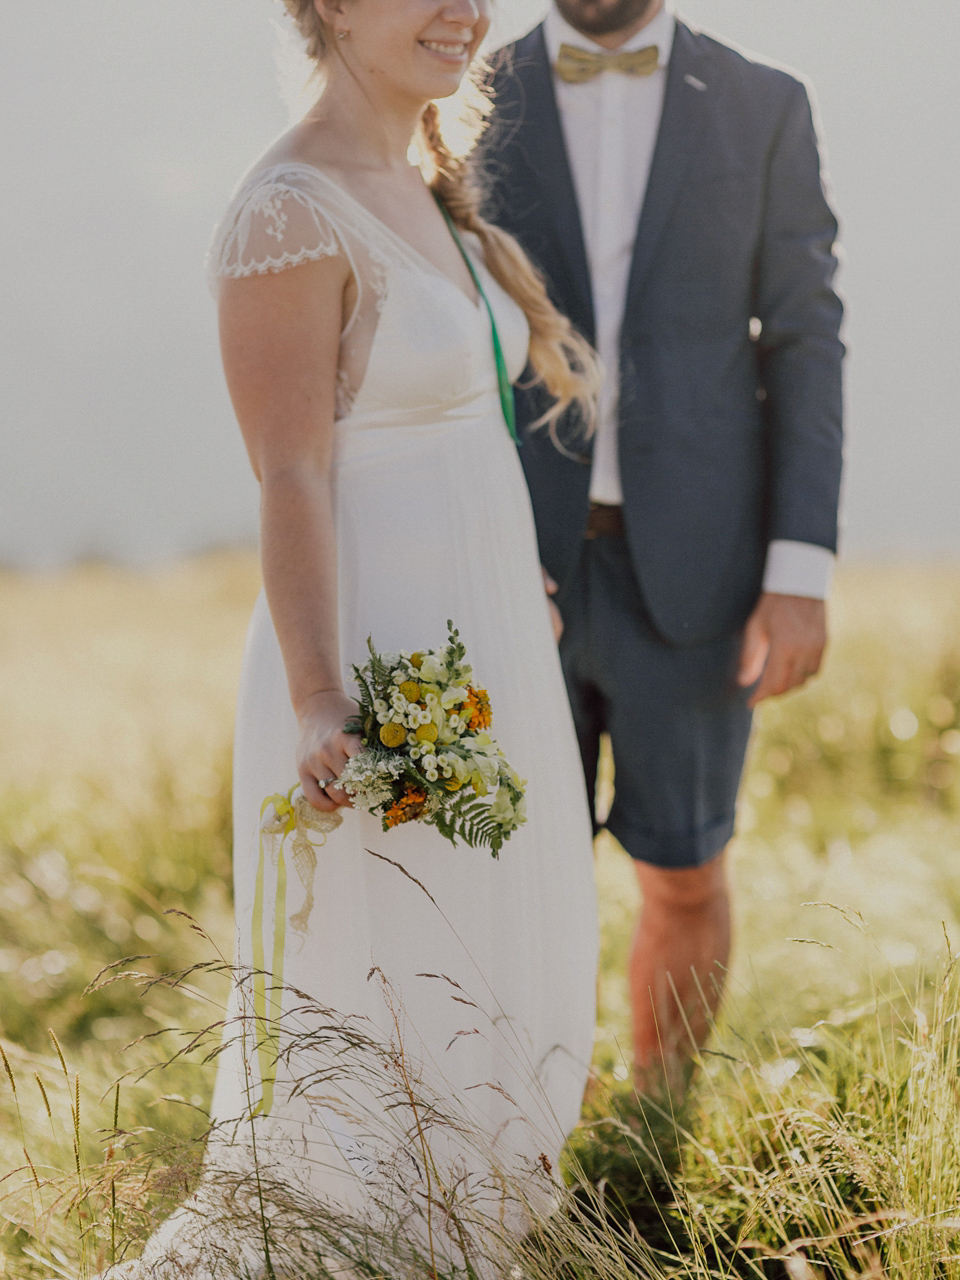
point(690, 890)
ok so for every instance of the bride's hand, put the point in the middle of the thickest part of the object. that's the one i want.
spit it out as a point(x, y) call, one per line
point(325, 747)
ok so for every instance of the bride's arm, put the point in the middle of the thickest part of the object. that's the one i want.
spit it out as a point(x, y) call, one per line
point(280, 338)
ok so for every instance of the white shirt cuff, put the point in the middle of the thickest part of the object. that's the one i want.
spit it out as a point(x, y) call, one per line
point(798, 569)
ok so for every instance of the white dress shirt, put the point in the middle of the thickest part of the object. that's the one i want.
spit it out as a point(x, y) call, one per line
point(610, 126)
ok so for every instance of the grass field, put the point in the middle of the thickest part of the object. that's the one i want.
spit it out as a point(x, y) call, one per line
point(821, 1136)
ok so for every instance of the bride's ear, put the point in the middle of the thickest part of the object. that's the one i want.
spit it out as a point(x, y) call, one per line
point(330, 12)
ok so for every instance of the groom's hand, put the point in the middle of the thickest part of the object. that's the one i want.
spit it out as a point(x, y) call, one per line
point(783, 644)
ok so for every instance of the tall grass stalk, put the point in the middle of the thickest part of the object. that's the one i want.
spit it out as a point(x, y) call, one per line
point(820, 1137)
point(838, 1156)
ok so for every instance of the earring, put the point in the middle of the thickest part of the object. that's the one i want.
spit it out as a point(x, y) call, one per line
point(342, 35)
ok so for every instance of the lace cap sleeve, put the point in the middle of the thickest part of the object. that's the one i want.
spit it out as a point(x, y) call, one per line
point(273, 225)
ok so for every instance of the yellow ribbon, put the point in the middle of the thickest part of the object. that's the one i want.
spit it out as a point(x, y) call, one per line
point(299, 819)
point(576, 66)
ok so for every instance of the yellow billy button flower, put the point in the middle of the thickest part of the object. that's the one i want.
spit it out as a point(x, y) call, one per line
point(410, 690)
point(427, 733)
point(416, 660)
point(393, 735)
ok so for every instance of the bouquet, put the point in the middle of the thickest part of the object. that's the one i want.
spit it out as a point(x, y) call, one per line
point(427, 752)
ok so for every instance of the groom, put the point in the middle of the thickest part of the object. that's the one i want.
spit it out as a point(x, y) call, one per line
point(669, 188)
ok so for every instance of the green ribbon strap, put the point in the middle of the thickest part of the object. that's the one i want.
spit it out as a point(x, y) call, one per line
point(507, 401)
point(296, 818)
point(268, 1023)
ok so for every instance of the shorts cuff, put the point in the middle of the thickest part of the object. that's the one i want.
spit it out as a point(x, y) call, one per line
point(674, 852)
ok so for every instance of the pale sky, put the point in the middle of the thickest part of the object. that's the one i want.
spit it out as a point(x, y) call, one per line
point(126, 127)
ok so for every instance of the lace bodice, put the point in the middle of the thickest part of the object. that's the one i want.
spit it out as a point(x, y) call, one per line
point(414, 343)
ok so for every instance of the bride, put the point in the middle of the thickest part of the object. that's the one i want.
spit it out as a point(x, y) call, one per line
point(361, 332)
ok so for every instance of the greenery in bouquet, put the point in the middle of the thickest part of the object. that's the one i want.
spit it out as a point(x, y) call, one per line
point(428, 755)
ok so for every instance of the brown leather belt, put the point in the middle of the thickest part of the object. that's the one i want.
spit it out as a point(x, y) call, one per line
point(604, 521)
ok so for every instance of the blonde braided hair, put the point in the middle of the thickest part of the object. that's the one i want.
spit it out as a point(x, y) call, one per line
point(562, 360)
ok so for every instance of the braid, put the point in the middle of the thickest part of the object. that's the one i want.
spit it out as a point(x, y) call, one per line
point(562, 360)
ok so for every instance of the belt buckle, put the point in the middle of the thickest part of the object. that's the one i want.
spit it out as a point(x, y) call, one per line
point(604, 520)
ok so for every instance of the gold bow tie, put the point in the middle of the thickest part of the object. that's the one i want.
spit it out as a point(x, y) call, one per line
point(576, 66)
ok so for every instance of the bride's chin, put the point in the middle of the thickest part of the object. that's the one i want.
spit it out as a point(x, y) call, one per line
point(440, 70)
point(437, 87)
point(448, 92)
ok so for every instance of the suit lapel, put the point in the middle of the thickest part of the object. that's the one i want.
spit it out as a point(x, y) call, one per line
point(686, 106)
point(540, 135)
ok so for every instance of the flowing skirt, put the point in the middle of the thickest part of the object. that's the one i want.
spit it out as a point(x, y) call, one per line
point(437, 1005)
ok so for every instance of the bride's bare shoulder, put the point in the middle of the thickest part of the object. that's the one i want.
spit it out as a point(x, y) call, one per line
point(307, 142)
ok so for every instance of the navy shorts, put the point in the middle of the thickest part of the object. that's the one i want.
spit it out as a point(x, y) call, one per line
point(678, 722)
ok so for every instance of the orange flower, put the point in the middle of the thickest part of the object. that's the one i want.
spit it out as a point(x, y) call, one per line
point(408, 808)
point(477, 707)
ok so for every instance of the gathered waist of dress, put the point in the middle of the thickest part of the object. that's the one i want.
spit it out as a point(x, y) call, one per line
point(369, 432)
point(478, 406)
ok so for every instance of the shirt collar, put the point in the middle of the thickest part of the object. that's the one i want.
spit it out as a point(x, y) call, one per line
point(660, 31)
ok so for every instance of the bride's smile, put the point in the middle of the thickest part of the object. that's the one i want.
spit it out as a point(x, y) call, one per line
point(414, 51)
point(450, 51)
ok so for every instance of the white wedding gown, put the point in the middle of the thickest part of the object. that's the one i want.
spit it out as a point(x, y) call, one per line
point(433, 522)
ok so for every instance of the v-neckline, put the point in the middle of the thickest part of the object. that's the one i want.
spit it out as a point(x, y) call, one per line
point(476, 303)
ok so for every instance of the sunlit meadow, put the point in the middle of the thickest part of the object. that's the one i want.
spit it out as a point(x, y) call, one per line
point(820, 1138)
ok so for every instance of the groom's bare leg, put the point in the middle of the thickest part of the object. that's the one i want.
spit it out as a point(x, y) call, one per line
point(677, 968)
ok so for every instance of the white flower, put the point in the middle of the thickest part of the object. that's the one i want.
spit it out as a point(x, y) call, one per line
point(457, 765)
point(509, 813)
point(434, 669)
point(379, 706)
point(398, 677)
point(502, 807)
point(452, 697)
point(487, 768)
point(368, 779)
point(431, 775)
point(430, 762)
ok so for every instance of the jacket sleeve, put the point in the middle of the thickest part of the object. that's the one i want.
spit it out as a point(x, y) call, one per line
point(800, 352)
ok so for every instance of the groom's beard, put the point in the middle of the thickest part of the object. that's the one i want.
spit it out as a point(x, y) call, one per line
point(603, 17)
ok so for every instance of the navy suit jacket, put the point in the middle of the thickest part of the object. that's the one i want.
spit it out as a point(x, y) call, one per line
point(728, 439)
